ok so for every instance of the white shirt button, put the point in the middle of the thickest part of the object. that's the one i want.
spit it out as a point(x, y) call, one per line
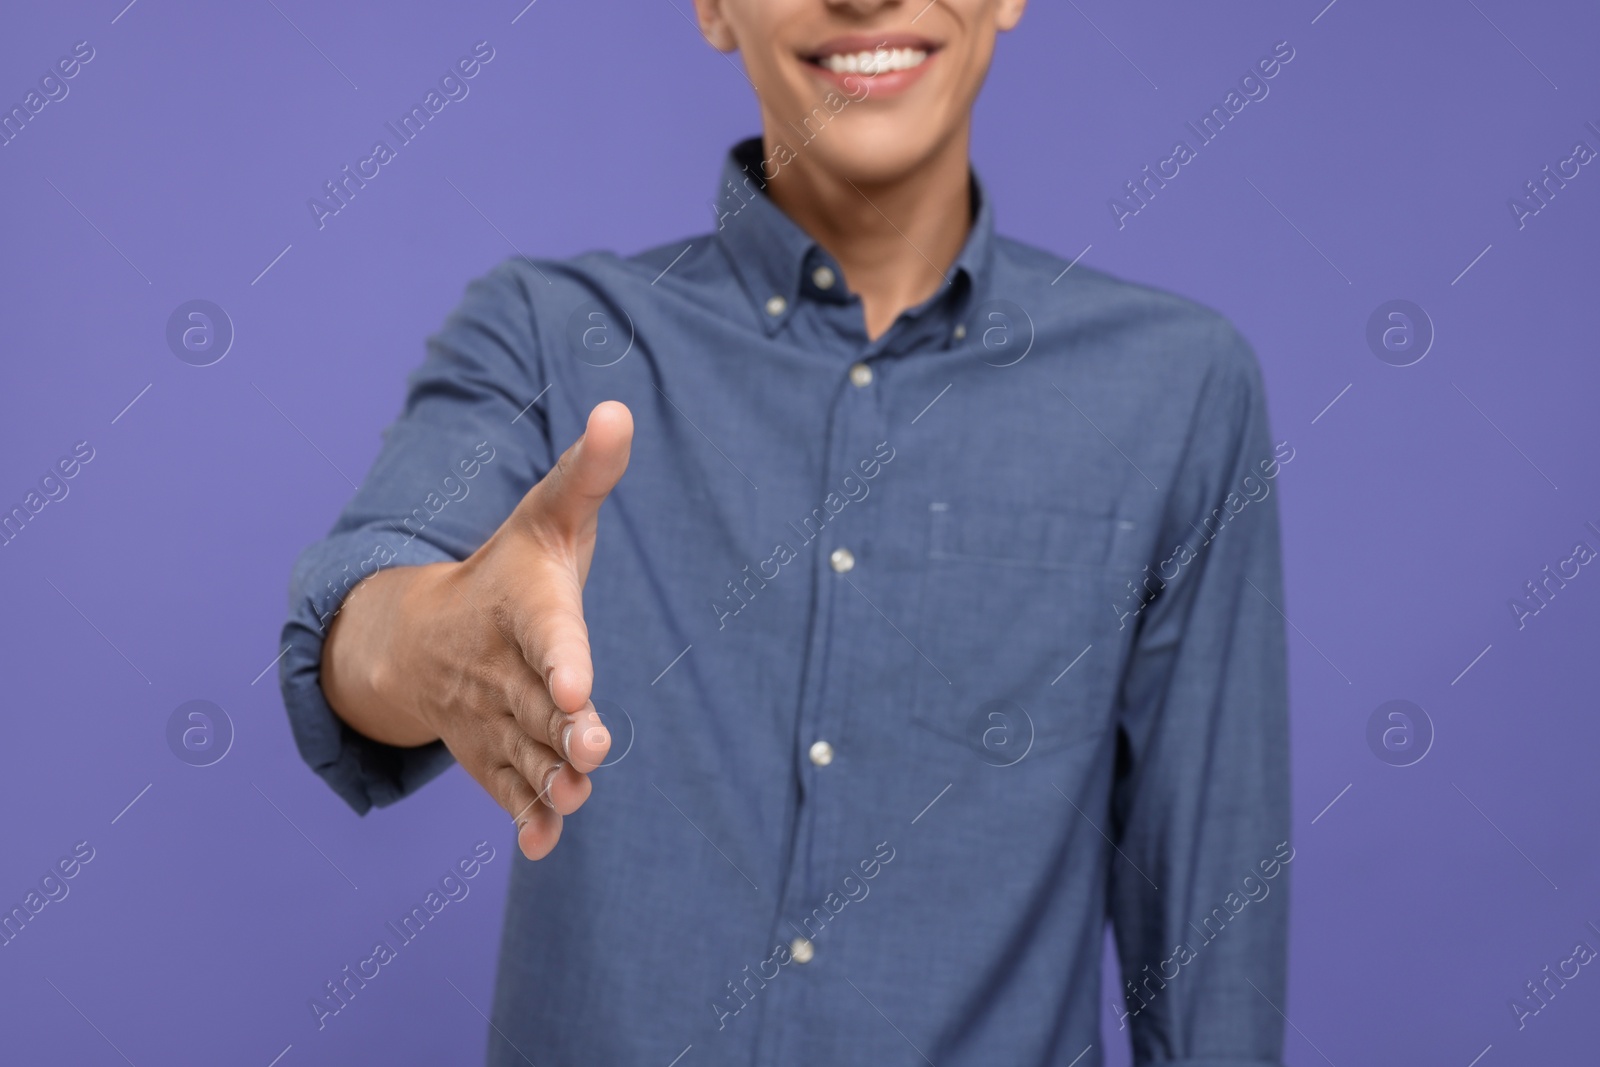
point(860, 375)
point(777, 306)
point(961, 332)
point(823, 278)
point(821, 753)
point(842, 560)
point(802, 950)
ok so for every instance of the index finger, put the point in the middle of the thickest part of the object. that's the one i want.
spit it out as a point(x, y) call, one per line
point(552, 636)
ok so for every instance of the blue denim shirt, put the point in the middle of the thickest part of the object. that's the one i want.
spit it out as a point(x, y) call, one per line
point(923, 656)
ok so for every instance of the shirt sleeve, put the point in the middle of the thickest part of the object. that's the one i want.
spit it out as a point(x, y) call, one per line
point(1198, 898)
point(467, 445)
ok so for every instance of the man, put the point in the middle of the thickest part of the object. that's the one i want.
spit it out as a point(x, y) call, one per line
point(932, 623)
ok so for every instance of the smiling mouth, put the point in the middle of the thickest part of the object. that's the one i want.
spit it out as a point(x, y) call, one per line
point(878, 61)
point(872, 58)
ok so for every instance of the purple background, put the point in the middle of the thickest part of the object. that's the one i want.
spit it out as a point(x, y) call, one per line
point(1416, 506)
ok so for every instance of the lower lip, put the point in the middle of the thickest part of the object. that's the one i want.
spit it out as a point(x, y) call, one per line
point(890, 83)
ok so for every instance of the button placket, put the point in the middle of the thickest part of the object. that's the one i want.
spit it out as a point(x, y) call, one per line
point(829, 794)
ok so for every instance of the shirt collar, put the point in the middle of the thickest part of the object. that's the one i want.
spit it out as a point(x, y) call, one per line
point(776, 260)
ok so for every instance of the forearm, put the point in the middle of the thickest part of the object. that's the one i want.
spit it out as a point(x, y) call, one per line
point(364, 647)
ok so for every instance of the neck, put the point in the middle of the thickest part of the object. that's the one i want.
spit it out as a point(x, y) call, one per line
point(895, 239)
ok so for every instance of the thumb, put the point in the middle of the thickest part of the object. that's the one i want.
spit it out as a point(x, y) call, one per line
point(568, 499)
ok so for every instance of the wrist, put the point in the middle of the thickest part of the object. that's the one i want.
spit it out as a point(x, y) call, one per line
point(371, 652)
point(412, 610)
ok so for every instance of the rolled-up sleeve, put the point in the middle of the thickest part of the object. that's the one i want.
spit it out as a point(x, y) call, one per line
point(1201, 801)
point(467, 445)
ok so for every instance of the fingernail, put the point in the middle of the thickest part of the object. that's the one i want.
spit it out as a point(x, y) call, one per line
point(566, 739)
point(549, 780)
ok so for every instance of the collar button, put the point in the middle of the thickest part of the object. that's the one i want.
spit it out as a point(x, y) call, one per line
point(776, 306)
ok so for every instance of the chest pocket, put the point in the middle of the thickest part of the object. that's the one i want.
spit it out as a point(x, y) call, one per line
point(1012, 601)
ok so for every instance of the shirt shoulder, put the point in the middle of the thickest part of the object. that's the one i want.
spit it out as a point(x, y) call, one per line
point(535, 278)
point(1138, 327)
point(684, 264)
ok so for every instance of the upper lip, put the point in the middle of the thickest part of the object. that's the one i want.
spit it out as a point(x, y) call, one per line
point(856, 43)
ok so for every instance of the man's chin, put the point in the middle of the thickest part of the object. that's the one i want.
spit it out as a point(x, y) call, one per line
point(873, 155)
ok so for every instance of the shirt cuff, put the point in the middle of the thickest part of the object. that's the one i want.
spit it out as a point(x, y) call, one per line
point(360, 770)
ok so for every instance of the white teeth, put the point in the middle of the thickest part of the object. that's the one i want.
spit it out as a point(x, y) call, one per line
point(881, 61)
